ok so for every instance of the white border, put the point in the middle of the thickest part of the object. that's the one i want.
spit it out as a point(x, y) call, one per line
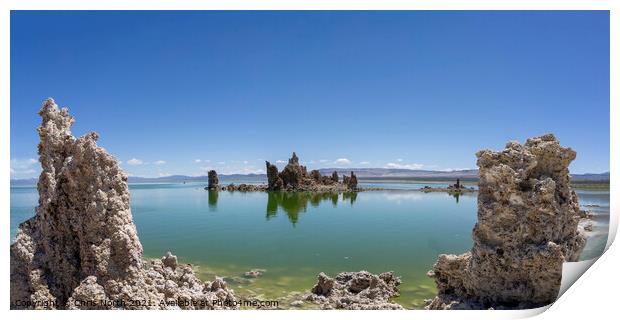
point(592, 295)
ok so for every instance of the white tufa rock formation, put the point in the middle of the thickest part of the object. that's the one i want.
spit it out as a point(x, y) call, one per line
point(356, 291)
point(81, 249)
point(527, 227)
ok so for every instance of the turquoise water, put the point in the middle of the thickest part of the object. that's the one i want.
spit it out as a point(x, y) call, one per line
point(597, 203)
point(294, 236)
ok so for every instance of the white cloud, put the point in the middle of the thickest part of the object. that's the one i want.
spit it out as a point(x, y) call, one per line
point(235, 170)
point(251, 170)
point(410, 166)
point(323, 161)
point(24, 168)
point(280, 161)
point(22, 163)
point(164, 174)
point(365, 163)
point(160, 162)
point(23, 172)
point(399, 160)
point(245, 162)
point(221, 162)
point(134, 162)
point(198, 161)
point(342, 161)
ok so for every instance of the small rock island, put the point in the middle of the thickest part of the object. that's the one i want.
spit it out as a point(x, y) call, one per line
point(453, 189)
point(294, 177)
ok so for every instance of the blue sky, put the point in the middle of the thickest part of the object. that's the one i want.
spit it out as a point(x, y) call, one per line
point(185, 92)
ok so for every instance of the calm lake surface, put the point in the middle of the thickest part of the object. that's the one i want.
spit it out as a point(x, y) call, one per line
point(294, 236)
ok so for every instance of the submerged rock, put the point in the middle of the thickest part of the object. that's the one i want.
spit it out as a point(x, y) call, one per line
point(238, 280)
point(254, 273)
point(81, 249)
point(527, 227)
point(356, 291)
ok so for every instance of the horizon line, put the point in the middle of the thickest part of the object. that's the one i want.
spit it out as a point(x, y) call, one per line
point(347, 169)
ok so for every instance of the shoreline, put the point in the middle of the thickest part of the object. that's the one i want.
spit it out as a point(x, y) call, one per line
point(589, 186)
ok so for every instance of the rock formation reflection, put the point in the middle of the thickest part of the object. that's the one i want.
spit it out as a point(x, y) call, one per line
point(456, 196)
point(350, 196)
point(294, 203)
point(213, 196)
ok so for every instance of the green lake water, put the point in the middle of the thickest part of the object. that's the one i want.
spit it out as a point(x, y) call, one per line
point(295, 236)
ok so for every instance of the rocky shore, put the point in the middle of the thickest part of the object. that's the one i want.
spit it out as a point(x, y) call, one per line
point(81, 249)
point(527, 228)
point(356, 291)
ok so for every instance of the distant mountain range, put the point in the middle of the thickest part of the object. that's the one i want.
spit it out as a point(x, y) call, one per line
point(361, 173)
point(590, 177)
point(402, 173)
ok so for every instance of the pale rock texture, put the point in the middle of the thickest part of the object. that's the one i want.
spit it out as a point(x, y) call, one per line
point(356, 291)
point(527, 227)
point(81, 247)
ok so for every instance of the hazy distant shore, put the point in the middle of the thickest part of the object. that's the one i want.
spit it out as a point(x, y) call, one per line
point(363, 175)
point(594, 185)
